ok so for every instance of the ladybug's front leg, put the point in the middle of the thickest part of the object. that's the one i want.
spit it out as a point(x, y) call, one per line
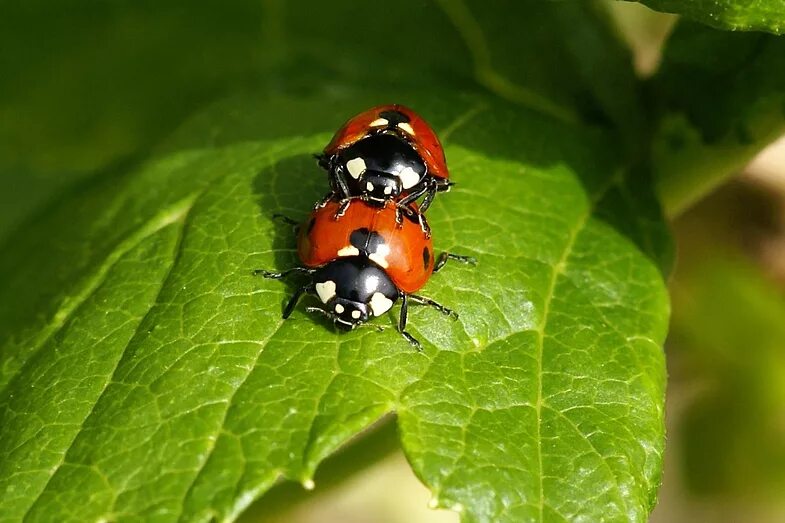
point(342, 207)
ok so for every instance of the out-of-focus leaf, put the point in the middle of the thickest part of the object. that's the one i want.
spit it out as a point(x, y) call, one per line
point(728, 330)
point(90, 86)
point(722, 99)
point(737, 15)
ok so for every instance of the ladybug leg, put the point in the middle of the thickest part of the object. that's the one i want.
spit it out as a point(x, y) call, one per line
point(323, 160)
point(411, 197)
point(402, 323)
point(443, 257)
point(443, 185)
point(339, 184)
point(283, 274)
point(422, 300)
point(399, 217)
point(430, 193)
point(286, 220)
point(342, 208)
point(426, 229)
point(292, 303)
point(324, 201)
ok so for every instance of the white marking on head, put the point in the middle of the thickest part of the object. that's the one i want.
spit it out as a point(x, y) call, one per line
point(388, 190)
point(325, 290)
point(339, 308)
point(380, 256)
point(356, 314)
point(409, 178)
point(355, 166)
point(406, 127)
point(369, 186)
point(380, 303)
point(379, 122)
point(349, 250)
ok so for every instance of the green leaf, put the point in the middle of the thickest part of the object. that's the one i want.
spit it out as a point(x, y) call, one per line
point(736, 15)
point(146, 374)
point(708, 133)
point(162, 380)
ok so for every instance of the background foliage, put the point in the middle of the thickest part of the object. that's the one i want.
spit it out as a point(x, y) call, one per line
point(144, 147)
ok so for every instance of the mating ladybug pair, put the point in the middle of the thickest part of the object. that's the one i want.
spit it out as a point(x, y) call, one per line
point(367, 243)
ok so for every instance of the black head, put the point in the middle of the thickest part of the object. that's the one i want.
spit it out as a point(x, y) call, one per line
point(354, 289)
point(380, 167)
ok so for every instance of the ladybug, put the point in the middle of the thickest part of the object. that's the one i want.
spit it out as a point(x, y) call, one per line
point(360, 264)
point(386, 153)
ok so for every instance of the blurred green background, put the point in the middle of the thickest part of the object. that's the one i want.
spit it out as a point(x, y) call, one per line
point(90, 87)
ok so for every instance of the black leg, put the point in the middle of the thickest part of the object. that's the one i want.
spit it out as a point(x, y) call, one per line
point(399, 217)
point(324, 201)
point(294, 299)
point(402, 322)
point(409, 198)
point(422, 300)
point(430, 194)
point(285, 219)
point(444, 185)
point(337, 181)
point(443, 257)
point(426, 229)
point(342, 208)
point(324, 161)
point(278, 275)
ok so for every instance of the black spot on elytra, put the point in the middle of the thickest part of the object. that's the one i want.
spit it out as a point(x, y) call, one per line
point(426, 257)
point(310, 226)
point(366, 241)
point(394, 117)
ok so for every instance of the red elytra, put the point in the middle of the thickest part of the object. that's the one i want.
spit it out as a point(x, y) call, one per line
point(401, 121)
point(403, 251)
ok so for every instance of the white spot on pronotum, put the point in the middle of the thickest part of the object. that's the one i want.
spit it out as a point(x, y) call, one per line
point(356, 314)
point(380, 256)
point(388, 190)
point(325, 290)
point(406, 127)
point(380, 303)
point(339, 308)
point(409, 178)
point(356, 167)
point(369, 186)
point(349, 250)
point(379, 122)
point(308, 484)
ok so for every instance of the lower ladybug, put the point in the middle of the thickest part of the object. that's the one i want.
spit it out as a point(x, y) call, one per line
point(362, 263)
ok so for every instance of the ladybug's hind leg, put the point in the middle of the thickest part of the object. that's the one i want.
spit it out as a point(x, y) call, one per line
point(283, 274)
point(402, 323)
point(422, 300)
point(445, 256)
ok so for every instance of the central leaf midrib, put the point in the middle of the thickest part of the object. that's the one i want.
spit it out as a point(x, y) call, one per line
point(559, 269)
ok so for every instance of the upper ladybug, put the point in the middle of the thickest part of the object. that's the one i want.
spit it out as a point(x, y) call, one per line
point(385, 153)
